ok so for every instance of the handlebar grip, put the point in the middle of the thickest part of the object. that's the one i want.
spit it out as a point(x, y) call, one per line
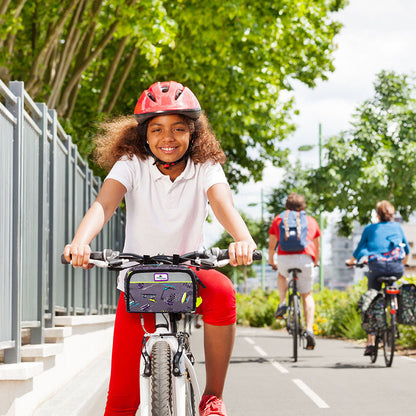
point(223, 254)
point(95, 255)
point(63, 260)
point(257, 255)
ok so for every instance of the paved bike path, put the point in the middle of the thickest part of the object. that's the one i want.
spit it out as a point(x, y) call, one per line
point(334, 379)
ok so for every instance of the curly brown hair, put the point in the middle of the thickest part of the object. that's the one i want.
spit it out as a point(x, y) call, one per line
point(124, 137)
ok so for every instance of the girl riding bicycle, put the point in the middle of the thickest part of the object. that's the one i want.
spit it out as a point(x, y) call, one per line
point(166, 162)
point(386, 247)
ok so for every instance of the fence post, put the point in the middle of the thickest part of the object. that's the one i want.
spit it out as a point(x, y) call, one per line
point(13, 355)
point(37, 334)
point(50, 322)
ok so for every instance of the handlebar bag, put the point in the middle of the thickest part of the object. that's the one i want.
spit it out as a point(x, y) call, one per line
point(407, 305)
point(161, 288)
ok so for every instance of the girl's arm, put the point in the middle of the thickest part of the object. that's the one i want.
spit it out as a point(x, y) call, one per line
point(221, 201)
point(97, 216)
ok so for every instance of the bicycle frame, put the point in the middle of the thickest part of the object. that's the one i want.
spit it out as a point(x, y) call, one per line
point(183, 364)
point(166, 352)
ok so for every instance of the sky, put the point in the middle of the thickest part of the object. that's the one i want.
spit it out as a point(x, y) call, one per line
point(376, 35)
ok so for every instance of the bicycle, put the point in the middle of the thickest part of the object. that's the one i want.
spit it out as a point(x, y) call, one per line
point(168, 381)
point(294, 322)
point(389, 332)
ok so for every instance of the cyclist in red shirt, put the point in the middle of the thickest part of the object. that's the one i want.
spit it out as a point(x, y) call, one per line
point(305, 260)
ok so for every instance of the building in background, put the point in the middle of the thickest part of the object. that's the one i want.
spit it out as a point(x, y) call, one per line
point(338, 276)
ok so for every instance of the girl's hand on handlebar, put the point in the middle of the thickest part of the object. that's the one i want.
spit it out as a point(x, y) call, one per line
point(241, 252)
point(79, 254)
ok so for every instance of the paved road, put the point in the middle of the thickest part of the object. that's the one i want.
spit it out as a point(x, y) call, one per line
point(334, 379)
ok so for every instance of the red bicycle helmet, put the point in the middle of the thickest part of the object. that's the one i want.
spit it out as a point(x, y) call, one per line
point(166, 98)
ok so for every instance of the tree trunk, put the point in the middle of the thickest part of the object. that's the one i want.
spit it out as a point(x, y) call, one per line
point(110, 74)
point(38, 68)
point(4, 4)
point(121, 82)
point(80, 68)
point(18, 10)
point(67, 56)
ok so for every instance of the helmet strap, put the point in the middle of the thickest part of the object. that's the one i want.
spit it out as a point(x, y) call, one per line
point(167, 165)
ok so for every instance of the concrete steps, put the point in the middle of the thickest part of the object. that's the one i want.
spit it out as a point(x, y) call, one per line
point(63, 362)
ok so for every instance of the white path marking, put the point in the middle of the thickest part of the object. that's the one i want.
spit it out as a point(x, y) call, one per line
point(249, 340)
point(260, 351)
point(310, 393)
point(275, 364)
point(407, 358)
point(279, 367)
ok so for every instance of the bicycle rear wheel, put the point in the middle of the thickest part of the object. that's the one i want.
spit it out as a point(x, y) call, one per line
point(389, 338)
point(161, 380)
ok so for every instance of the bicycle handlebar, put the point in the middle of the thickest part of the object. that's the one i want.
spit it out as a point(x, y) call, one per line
point(207, 259)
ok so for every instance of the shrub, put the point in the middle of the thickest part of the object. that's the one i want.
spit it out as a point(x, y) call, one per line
point(336, 313)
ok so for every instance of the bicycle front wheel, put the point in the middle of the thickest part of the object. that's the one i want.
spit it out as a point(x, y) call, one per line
point(190, 396)
point(296, 327)
point(373, 356)
point(161, 380)
point(389, 337)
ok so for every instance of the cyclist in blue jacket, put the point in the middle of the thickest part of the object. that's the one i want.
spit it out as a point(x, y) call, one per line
point(386, 247)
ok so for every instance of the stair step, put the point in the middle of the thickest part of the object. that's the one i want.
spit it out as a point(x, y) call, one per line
point(57, 334)
point(79, 396)
point(35, 352)
point(20, 371)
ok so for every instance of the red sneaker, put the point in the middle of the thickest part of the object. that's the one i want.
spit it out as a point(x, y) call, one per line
point(211, 406)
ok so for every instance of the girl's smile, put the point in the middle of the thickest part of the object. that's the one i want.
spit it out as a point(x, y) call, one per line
point(168, 137)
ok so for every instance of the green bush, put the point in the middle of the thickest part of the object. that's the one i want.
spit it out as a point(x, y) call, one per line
point(336, 313)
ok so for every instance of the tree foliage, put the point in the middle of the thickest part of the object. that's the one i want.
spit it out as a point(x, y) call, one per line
point(256, 229)
point(374, 160)
point(90, 59)
point(295, 179)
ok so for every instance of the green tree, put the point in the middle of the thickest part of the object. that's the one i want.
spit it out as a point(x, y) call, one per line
point(374, 160)
point(295, 179)
point(241, 57)
point(242, 272)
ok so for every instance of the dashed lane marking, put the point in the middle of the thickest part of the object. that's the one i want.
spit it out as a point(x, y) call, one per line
point(310, 393)
point(275, 364)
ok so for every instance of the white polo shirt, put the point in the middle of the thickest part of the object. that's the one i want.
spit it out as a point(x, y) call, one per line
point(164, 217)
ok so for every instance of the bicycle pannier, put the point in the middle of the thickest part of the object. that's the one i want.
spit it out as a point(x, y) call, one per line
point(407, 305)
point(160, 289)
point(373, 315)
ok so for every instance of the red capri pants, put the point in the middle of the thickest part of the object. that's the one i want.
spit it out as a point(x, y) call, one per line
point(217, 308)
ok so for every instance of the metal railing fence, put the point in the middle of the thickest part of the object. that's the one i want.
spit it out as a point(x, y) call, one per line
point(46, 187)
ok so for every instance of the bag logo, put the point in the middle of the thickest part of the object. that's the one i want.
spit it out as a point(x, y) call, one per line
point(161, 277)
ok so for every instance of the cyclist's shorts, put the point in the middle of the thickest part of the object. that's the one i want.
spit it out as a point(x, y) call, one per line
point(303, 262)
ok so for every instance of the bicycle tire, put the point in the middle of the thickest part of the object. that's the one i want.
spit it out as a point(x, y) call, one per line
point(161, 380)
point(191, 408)
point(373, 356)
point(389, 338)
point(296, 329)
